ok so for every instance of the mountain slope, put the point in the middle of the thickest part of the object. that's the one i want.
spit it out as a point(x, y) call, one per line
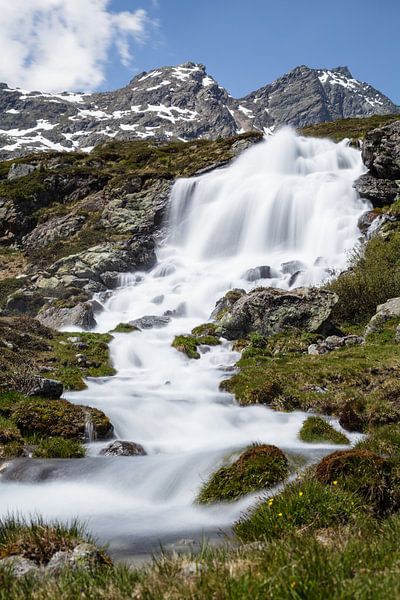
point(181, 102)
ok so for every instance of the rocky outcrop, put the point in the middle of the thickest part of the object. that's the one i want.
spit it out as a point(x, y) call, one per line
point(81, 315)
point(334, 342)
point(381, 155)
point(180, 102)
point(267, 311)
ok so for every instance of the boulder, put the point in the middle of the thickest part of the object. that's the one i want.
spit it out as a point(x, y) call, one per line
point(384, 312)
point(379, 191)
point(20, 170)
point(81, 315)
point(261, 272)
point(83, 556)
point(268, 311)
point(48, 388)
point(122, 448)
point(333, 342)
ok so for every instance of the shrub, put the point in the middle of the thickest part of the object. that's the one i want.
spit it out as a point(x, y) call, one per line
point(316, 429)
point(308, 504)
point(373, 277)
point(59, 448)
point(260, 466)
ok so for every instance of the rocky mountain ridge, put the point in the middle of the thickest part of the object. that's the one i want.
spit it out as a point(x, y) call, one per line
point(182, 102)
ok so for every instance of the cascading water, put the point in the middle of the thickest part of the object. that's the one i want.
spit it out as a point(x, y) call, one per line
point(283, 214)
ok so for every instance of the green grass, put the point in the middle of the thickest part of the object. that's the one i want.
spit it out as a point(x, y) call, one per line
point(259, 467)
point(355, 128)
point(59, 448)
point(361, 378)
point(383, 440)
point(317, 430)
point(9, 286)
point(37, 540)
point(304, 505)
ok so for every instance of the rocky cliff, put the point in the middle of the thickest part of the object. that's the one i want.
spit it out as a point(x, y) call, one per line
point(182, 102)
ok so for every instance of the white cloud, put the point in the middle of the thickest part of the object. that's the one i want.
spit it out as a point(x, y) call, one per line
point(56, 45)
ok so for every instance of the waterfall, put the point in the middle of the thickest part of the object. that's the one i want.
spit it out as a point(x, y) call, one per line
point(282, 214)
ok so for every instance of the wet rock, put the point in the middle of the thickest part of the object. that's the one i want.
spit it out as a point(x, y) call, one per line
point(48, 388)
point(366, 220)
point(292, 266)
point(225, 303)
point(261, 272)
point(81, 315)
point(151, 322)
point(268, 311)
point(122, 448)
point(19, 566)
point(384, 312)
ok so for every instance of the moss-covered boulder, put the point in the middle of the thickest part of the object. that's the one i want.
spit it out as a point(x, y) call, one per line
point(188, 344)
point(374, 478)
point(317, 430)
point(260, 466)
point(59, 418)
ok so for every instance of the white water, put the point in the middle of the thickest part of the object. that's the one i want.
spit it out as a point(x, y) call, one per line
point(285, 199)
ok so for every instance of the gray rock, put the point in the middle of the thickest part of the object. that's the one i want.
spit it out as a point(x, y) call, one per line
point(48, 388)
point(379, 191)
point(334, 342)
point(292, 267)
point(81, 315)
point(261, 272)
point(19, 566)
point(268, 311)
point(381, 151)
point(122, 448)
point(150, 322)
point(384, 312)
point(20, 170)
point(83, 556)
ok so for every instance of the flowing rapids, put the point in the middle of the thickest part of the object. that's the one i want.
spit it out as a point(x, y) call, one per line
point(286, 199)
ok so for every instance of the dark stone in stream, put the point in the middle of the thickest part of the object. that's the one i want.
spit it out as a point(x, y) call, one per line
point(261, 272)
point(121, 448)
point(292, 266)
point(150, 322)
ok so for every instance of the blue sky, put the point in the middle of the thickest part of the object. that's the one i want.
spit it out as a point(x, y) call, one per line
point(246, 44)
point(101, 44)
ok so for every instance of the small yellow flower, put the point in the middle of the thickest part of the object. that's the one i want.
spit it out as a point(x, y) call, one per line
point(293, 584)
point(334, 482)
point(300, 493)
point(280, 514)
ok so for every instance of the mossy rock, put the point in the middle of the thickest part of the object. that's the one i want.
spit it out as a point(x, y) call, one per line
point(205, 329)
point(259, 467)
point(317, 430)
point(59, 418)
point(188, 344)
point(374, 478)
point(59, 448)
point(124, 328)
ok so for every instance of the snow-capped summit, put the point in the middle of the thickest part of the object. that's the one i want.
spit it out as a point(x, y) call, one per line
point(179, 102)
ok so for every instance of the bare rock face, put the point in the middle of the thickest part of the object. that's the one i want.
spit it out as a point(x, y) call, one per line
point(381, 151)
point(381, 154)
point(268, 311)
point(384, 312)
point(81, 315)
